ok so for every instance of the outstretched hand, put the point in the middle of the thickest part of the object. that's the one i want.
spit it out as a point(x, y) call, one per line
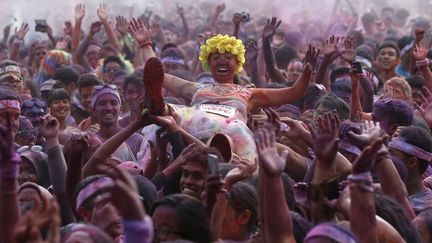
point(311, 56)
point(370, 132)
point(420, 52)
point(50, 127)
point(325, 137)
point(22, 31)
point(139, 32)
point(251, 51)
point(122, 24)
point(95, 27)
point(79, 11)
point(269, 159)
point(103, 12)
point(270, 28)
point(330, 47)
point(425, 107)
point(348, 52)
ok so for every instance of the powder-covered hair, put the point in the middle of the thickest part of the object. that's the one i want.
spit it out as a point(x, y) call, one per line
point(221, 44)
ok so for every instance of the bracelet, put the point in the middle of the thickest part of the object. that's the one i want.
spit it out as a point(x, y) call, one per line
point(363, 181)
point(146, 43)
point(422, 63)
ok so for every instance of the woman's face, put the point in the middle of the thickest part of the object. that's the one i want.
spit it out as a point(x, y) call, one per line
point(26, 134)
point(166, 224)
point(60, 109)
point(27, 172)
point(223, 66)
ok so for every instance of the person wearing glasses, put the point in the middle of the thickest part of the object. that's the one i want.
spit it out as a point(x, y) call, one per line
point(111, 65)
point(106, 106)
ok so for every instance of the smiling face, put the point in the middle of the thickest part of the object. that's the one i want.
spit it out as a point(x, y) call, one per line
point(387, 59)
point(193, 178)
point(223, 67)
point(60, 109)
point(92, 55)
point(107, 109)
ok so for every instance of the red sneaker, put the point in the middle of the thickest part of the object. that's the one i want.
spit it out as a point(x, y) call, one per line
point(153, 83)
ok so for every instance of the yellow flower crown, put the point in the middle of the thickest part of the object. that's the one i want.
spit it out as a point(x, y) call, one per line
point(222, 43)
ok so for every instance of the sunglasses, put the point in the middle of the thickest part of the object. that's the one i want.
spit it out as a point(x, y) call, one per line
point(110, 86)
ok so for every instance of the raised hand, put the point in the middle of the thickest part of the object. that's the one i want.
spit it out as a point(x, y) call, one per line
point(78, 142)
point(311, 56)
point(139, 32)
point(270, 28)
point(425, 108)
point(242, 171)
point(325, 137)
point(370, 132)
point(95, 27)
point(122, 24)
point(220, 8)
point(251, 51)
point(180, 11)
point(6, 31)
point(269, 159)
point(79, 11)
point(420, 52)
point(330, 47)
point(22, 31)
point(124, 193)
point(236, 18)
point(297, 129)
point(348, 52)
point(166, 122)
point(50, 127)
point(103, 12)
point(365, 161)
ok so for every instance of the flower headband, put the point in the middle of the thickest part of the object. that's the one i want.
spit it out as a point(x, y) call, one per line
point(221, 44)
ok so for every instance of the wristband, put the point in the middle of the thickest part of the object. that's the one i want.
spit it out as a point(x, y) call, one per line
point(146, 43)
point(363, 181)
point(422, 63)
point(10, 166)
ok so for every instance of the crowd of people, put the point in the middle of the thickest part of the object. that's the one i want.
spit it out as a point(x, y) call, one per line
point(179, 129)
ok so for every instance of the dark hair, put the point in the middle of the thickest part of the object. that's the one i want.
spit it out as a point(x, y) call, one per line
point(200, 154)
point(191, 216)
point(284, 55)
point(416, 81)
point(242, 196)
point(57, 94)
point(113, 59)
point(147, 190)
point(32, 87)
point(7, 93)
point(332, 102)
point(342, 84)
point(401, 13)
point(88, 80)
point(392, 212)
point(397, 111)
point(338, 72)
point(418, 137)
point(66, 75)
point(390, 44)
point(133, 79)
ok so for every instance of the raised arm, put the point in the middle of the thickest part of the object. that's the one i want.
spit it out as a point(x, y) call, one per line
point(251, 56)
point(237, 21)
point(185, 36)
point(103, 12)
point(267, 34)
point(57, 166)
point(82, 48)
point(277, 223)
point(219, 9)
point(6, 32)
point(356, 108)
point(330, 54)
point(420, 55)
point(79, 15)
point(48, 30)
point(274, 97)
point(18, 41)
point(362, 213)
point(109, 146)
point(177, 86)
